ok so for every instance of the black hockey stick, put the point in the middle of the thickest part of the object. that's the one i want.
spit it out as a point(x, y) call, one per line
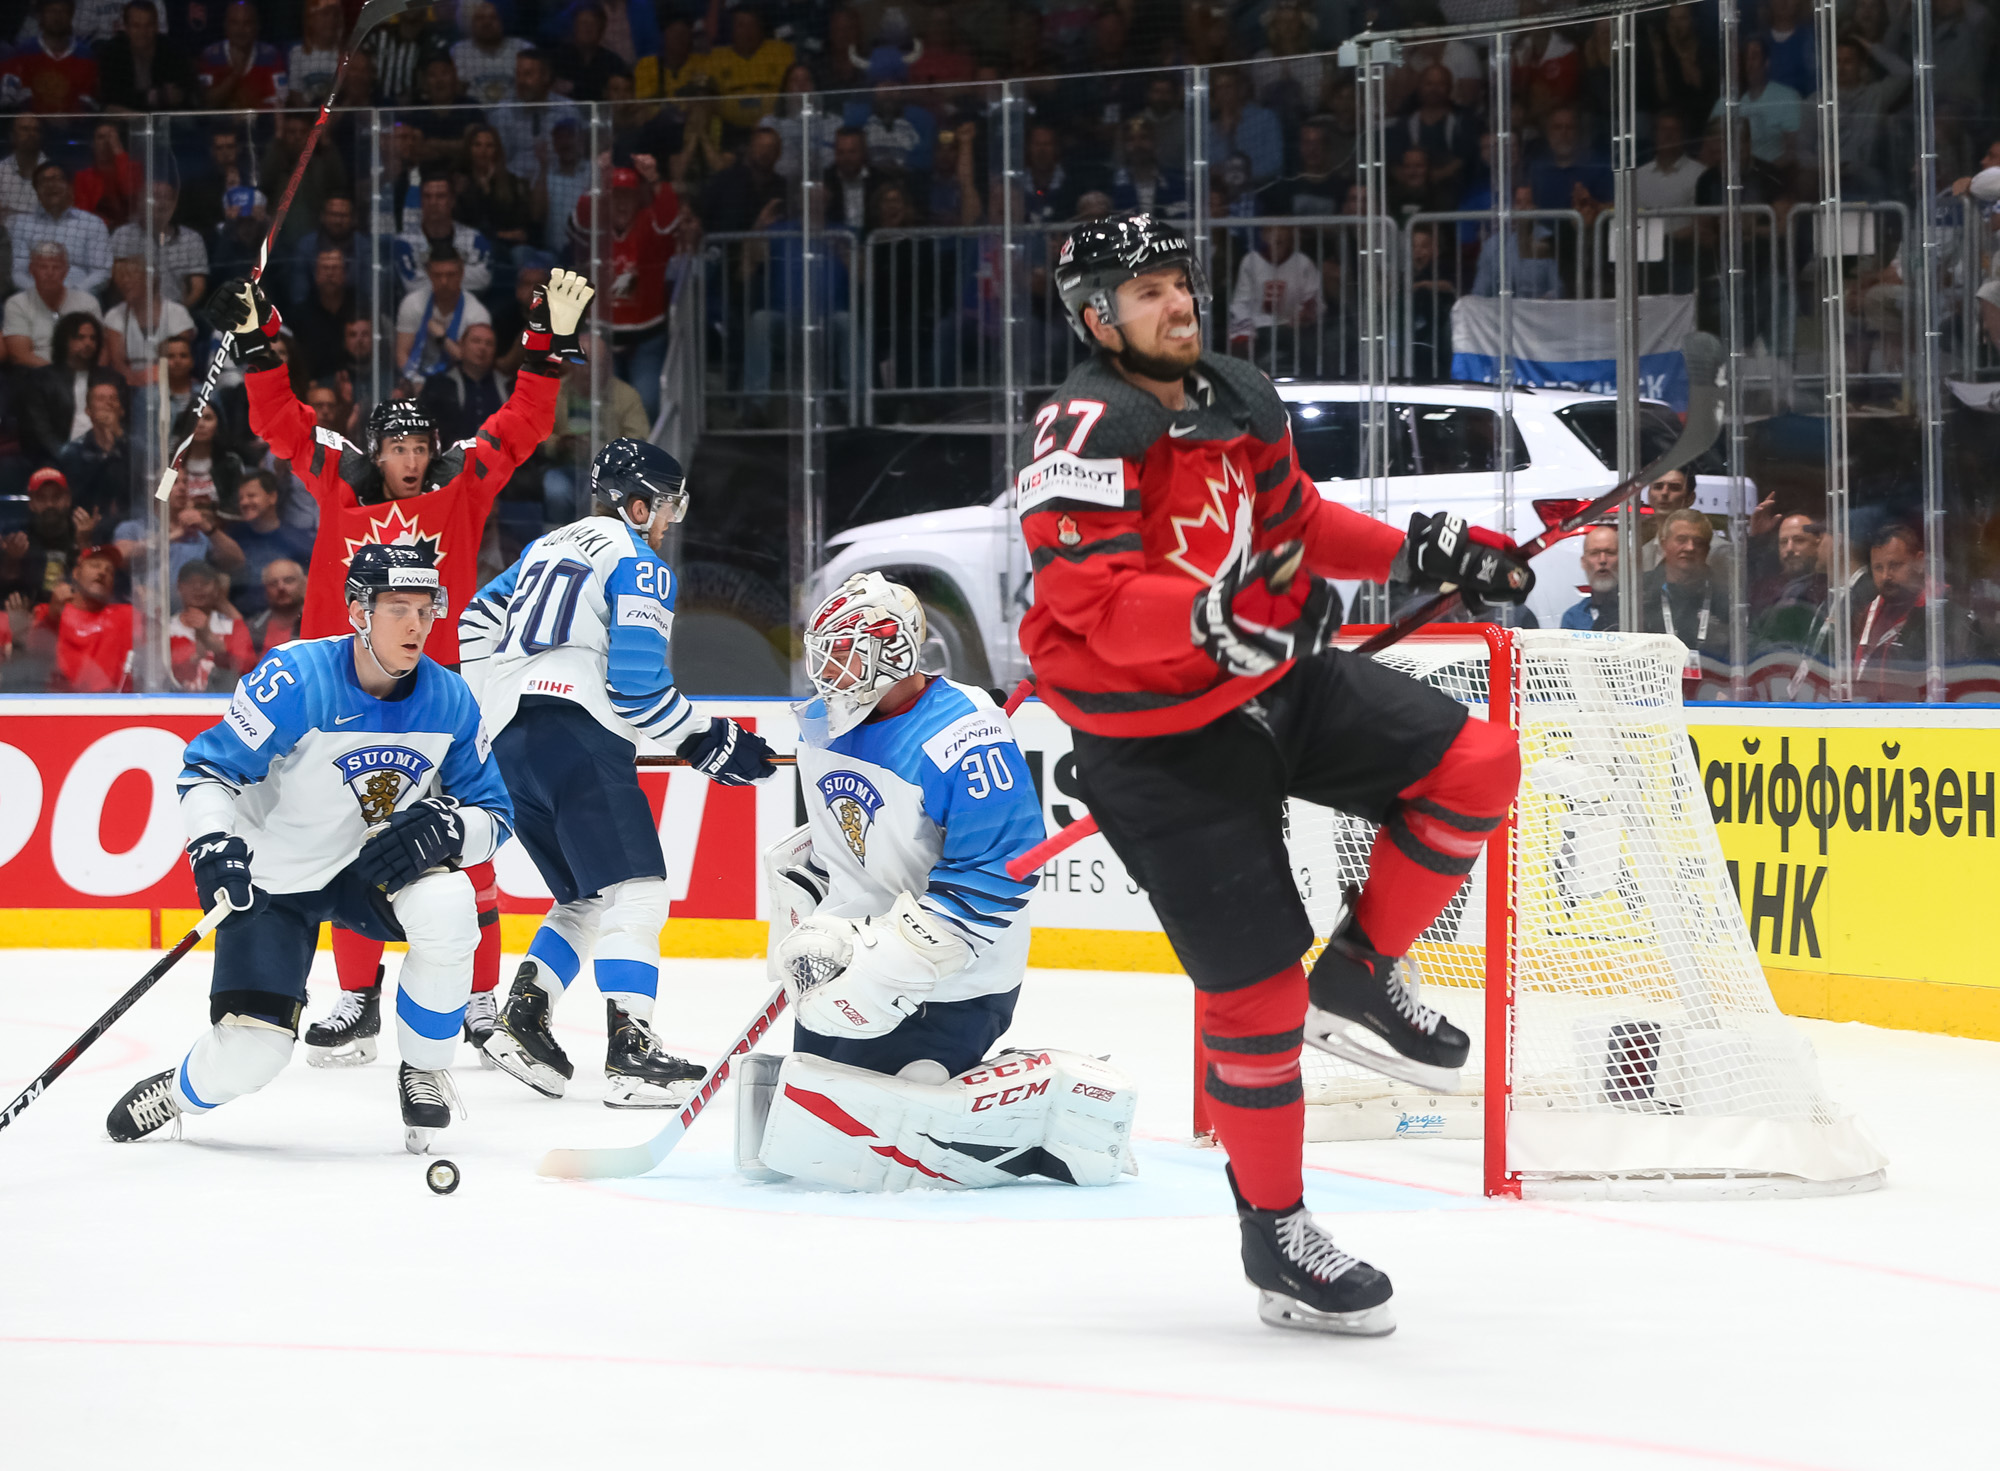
point(119, 1007)
point(375, 13)
point(1703, 353)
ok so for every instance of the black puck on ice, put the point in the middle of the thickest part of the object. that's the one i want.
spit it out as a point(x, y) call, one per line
point(442, 1176)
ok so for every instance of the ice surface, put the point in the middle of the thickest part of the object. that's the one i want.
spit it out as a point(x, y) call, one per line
point(279, 1289)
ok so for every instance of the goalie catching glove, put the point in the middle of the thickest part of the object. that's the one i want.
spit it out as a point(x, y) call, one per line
point(425, 835)
point(241, 309)
point(553, 314)
point(1443, 550)
point(1263, 609)
point(864, 977)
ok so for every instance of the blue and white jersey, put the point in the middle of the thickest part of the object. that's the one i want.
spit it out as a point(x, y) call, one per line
point(305, 761)
point(585, 615)
point(934, 801)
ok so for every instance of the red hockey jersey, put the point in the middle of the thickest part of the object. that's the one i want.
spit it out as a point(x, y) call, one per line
point(1129, 509)
point(450, 519)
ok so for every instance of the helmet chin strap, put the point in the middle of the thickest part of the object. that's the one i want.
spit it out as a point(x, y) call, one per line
point(364, 633)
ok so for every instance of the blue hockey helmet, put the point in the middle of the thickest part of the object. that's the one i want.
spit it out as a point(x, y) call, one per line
point(628, 470)
point(376, 569)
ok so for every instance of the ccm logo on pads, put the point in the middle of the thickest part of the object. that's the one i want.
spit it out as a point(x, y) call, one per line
point(1062, 476)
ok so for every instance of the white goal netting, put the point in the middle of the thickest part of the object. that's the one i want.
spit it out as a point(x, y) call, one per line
point(1646, 1045)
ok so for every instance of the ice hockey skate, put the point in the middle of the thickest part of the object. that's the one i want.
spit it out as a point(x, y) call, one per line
point(522, 1046)
point(1363, 1008)
point(1303, 1280)
point(638, 1071)
point(428, 1097)
point(482, 1014)
point(148, 1107)
point(346, 1036)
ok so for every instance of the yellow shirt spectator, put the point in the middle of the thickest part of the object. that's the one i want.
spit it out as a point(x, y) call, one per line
point(653, 77)
point(748, 83)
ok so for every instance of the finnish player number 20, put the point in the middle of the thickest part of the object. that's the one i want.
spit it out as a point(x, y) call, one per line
point(978, 765)
point(550, 610)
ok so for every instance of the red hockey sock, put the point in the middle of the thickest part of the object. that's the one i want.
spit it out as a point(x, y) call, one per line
point(1434, 834)
point(486, 959)
point(356, 959)
point(1254, 1095)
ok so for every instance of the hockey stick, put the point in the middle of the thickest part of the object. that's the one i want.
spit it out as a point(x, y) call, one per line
point(119, 1007)
point(1703, 353)
point(637, 1159)
point(774, 759)
point(375, 13)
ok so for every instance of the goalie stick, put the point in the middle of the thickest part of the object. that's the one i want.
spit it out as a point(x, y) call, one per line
point(374, 14)
point(119, 1007)
point(637, 1159)
point(1703, 353)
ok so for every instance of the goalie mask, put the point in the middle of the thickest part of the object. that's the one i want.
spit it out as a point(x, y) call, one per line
point(859, 642)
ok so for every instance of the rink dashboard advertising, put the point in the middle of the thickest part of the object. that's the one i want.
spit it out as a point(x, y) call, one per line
point(1860, 841)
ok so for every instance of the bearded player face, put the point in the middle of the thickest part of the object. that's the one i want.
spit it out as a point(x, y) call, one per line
point(1158, 335)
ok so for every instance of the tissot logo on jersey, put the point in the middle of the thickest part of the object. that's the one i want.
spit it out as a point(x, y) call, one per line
point(380, 776)
point(1060, 475)
point(853, 801)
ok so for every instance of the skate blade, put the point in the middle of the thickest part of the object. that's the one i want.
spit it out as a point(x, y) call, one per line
point(418, 1141)
point(621, 1092)
point(1288, 1312)
point(358, 1053)
point(503, 1052)
point(1335, 1034)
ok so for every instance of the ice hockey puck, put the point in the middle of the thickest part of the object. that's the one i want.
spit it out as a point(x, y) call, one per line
point(442, 1176)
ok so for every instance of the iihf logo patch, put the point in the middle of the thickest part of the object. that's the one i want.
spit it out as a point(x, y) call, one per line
point(380, 777)
point(853, 803)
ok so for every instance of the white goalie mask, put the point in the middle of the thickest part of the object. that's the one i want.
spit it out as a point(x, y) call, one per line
point(859, 642)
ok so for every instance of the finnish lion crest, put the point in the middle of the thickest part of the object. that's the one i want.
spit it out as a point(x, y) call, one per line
point(381, 776)
point(853, 801)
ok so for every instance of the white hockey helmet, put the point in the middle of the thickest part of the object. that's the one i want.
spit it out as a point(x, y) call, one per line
point(859, 642)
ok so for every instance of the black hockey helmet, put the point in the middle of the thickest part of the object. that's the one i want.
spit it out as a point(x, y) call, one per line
point(394, 418)
point(377, 569)
point(631, 469)
point(1100, 255)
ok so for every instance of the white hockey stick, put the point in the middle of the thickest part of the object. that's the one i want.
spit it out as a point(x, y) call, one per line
point(636, 1159)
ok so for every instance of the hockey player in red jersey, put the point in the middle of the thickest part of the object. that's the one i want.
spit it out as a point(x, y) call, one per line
point(402, 488)
point(1180, 623)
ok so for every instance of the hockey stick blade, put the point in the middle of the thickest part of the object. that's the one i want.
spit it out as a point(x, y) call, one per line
point(637, 1159)
point(1703, 354)
point(119, 1007)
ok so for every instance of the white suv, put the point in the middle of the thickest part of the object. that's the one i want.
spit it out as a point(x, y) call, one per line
point(970, 567)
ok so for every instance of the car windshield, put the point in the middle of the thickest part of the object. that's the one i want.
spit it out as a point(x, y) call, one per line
point(924, 472)
point(1596, 424)
point(1424, 439)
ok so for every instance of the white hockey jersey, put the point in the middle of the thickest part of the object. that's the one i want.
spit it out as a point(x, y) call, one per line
point(933, 801)
point(586, 615)
point(305, 761)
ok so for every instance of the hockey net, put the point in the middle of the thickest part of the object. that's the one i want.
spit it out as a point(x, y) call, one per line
point(1624, 1038)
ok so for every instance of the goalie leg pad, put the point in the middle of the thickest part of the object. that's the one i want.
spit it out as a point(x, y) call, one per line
point(439, 915)
point(1056, 1114)
point(237, 1055)
point(756, 1085)
point(627, 965)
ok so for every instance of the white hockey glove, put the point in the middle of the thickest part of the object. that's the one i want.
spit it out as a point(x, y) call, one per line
point(862, 978)
point(568, 293)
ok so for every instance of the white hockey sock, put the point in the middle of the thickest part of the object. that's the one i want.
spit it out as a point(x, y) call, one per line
point(568, 932)
point(627, 964)
point(237, 1055)
point(438, 915)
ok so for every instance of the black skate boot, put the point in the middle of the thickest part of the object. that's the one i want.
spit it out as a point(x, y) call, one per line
point(520, 1043)
point(345, 1036)
point(638, 1072)
point(1358, 1002)
point(481, 1013)
point(149, 1106)
point(428, 1098)
point(1303, 1280)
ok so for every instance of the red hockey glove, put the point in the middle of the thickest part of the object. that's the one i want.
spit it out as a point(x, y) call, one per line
point(1446, 550)
point(1262, 610)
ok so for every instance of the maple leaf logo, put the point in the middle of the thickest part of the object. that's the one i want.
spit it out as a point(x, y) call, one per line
point(1228, 510)
point(397, 528)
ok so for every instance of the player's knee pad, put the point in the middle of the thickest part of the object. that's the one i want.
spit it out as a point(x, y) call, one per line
point(1252, 1039)
point(442, 926)
point(1442, 821)
point(1057, 1114)
point(439, 917)
point(794, 885)
point(238, 1054)
point(628, 942)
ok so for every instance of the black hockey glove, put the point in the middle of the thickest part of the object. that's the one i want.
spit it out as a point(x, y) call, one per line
point(425, 835)
point(1264, 609)
point(1447, 550)
point(241, 309)
point(221, 863)
point(728, 754)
